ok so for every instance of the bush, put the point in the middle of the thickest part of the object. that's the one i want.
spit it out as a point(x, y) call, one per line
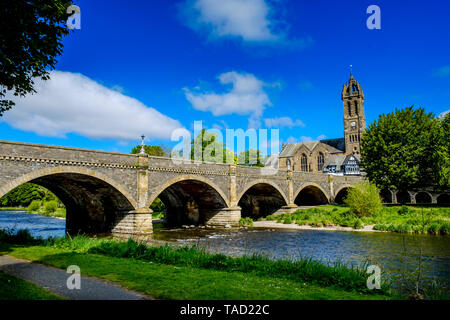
point(246, 222)
point(364, 200)
point(34, 206)
point(403, 210)
point(50, 206)
point(358, 224)
point(287, 220)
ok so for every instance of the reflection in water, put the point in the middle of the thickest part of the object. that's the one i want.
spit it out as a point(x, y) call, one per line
point(396, 254)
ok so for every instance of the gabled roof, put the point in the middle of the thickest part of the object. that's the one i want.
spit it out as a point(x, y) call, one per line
point(339, 160)
point(333, 146)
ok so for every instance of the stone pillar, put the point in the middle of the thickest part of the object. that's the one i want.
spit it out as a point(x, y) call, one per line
point(232, 186)
point(142, 217)
point(331, 188)
point(412, 195)
point(223, 218)
point(394, 196)
point(291, 206)
point(434, 198)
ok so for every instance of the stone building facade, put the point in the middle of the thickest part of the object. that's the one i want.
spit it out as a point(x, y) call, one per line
point(339, 156)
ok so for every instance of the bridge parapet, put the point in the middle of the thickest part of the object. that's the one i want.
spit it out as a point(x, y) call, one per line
point(30, 151)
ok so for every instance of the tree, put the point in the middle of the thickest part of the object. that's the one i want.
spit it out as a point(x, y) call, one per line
point(206, 147)
point(31, 35)
point(158, 151)
point(400, 150)
point(364, 199)
point(250, 157)
point(442, 152)
point(23, 195)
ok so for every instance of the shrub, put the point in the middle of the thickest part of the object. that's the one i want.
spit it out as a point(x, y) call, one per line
point(364, 200)
point(287, 220)
point(50, 206)
point(246, 222)
point(358, 224)
point(445, 228)
point(34, 206)
point(403, 210)
point(433, 228)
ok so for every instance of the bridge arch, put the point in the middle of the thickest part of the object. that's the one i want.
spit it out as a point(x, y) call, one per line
point(423, 197)
point(92, 199)
point(443, 198)
point(261, 198)
point(341, 193)
point(189, 199)
point(311, 194)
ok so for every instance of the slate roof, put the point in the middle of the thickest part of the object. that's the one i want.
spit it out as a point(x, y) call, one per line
point(338, 160)
point(332, 145)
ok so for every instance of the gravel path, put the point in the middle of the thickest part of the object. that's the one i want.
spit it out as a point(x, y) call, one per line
point(54, 280)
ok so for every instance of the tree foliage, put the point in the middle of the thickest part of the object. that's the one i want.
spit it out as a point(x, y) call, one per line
point(158, 151)
point(24, 194)
point(207, 147)
point(406, 149)
point(364, 199)
point(31, 35)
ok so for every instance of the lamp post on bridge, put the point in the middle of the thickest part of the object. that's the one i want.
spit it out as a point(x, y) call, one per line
point(142, 144)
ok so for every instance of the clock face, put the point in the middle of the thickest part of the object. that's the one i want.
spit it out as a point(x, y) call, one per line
point(353, 124)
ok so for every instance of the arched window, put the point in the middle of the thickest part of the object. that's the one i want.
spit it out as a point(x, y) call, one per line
point(304, 163)
point(356, 107)
point(288, 164)
point(320, 161)
point(349, 106)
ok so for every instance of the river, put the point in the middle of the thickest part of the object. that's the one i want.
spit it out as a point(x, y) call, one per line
point(396, 254)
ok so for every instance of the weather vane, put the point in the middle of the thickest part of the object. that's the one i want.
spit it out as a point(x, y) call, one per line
point(351, 69)
point(142, 144)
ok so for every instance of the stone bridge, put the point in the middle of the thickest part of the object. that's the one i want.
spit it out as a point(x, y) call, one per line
point(108, 192)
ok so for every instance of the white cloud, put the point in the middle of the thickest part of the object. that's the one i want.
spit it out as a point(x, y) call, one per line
point(283, 122)
point(73, 103)
point(246, 97)
point(321, 137)
point(249, 19)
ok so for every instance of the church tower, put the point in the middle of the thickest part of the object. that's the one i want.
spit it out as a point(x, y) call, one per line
point(354, 119)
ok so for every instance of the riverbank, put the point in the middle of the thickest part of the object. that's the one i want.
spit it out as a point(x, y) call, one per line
point(190, 273)
point(292, 226)
point(402, 219)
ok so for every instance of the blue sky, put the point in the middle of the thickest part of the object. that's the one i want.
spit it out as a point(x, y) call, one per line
point(154, 66)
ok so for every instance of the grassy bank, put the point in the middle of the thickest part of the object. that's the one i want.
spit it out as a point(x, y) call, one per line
point(190, 273)
point(13, 288)
point(13, 209)
point(432, 220)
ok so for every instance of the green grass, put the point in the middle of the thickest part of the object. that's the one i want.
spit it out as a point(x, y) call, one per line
point(390, 218)
point(190, 273)
point(13, 288)
point(13, 209)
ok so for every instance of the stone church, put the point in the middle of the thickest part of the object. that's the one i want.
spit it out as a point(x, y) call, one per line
point(332, 156)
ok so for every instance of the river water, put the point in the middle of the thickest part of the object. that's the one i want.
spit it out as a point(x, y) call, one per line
point(396, 254)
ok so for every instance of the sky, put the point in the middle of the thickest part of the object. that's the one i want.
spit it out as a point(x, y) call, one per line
point(155, 67)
